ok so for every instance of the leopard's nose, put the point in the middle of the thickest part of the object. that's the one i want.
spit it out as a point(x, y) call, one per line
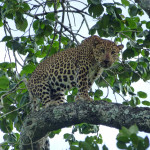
point(106, 62)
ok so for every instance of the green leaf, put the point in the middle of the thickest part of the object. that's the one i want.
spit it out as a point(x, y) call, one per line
point(142, 94)
point(65, 40)
point(140, 12)
point(74, 148)
point(148, 25)
point(107, 100)
point(70, 98)
point(127, 33)
point(40, 54)
point(146, 142)
point(133, 11)
point(53, 51)
point(92, 31)
point(145, 53)
point(84, 146)
point(7, 65)
point(48, 30)
point(28, 69)
point(136, 19)
point(133, 129)
point(36, 25)
point(24, 25)
point(103, 26)
point(1, 23)
point(105, 21)
point(26, 7)
point(68, 136)
point(134, 139)
point(128, 53)
point(89, 144)
point(7, 38)
point(88, 128)
point(96, 10)
point(39, 40)
point(24, 99)
point(96, 2)
point(12, 115)
point(21, 22)
point(98, 94)
point(125, 2)
point(123, 135)
point(49, 3)
point(121, 145)
point(118, 26)
point(143, 64)
point(74, 91)
point(98, 139)
point(50, 16)
point(42, 25)
point(11, 138)
point(52, 133)
point(16, 46)
point(5, 137)
point(4, 82)
point(134, 100)
point(133, 64)
point(105, 147)
point(147, 103)
point(6, 125)
point(131, 23)
point(123, 138)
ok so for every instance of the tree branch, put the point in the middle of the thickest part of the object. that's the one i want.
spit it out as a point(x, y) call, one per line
point(38, 124)
point(145, 5)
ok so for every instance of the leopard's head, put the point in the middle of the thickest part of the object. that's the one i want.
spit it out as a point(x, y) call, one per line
point(105, 52)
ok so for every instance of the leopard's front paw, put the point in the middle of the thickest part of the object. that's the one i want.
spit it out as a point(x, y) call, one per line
point(83, 98)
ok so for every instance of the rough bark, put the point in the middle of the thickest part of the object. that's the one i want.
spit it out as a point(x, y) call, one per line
point(38, 124)
point(145, 5)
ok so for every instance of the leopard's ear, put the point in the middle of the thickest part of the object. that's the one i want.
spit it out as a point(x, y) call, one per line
point(120, 47)
point(97, 40)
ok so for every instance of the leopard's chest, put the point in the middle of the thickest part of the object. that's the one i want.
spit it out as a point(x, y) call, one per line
point(63, 79)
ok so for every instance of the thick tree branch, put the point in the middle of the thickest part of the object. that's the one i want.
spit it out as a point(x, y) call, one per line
point(38, 124)
point(145, 5)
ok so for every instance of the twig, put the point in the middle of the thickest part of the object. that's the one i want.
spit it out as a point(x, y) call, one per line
point(69, 32)
point(15, 110)
point(85, 22)
point(113, 90)
point(62, 21)
point(13, 89)
point(57, 11)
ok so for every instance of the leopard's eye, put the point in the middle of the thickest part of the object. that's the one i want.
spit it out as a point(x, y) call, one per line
point(113, 52)
point(103, 50)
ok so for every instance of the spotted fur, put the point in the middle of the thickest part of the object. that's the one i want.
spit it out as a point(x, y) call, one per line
point(74, 67)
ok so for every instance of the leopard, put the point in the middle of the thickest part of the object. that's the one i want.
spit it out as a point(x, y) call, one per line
point(77, 67)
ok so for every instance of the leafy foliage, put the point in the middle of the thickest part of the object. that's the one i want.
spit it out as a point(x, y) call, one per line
point(91, 142)
point(128, 138)
point(35, 30)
